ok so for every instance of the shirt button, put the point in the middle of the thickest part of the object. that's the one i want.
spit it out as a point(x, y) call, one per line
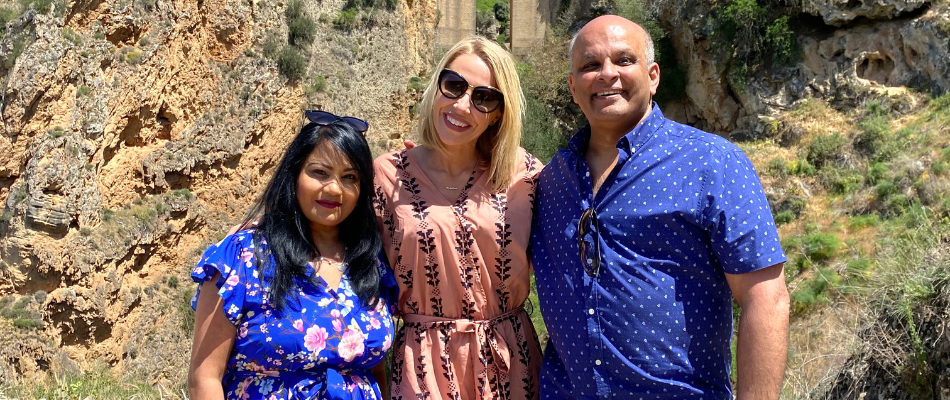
point(597, 362)
point(591, 311)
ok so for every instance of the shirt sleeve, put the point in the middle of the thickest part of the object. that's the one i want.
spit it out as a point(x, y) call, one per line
point(737, 216)
point(233, 262)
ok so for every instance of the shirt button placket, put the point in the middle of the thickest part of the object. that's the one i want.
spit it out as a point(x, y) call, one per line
point(597, 339)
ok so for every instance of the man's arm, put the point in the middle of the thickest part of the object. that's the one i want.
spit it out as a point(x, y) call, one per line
point(763, 332)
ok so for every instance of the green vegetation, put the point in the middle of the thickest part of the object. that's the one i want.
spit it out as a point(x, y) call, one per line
point(21, 313)
point(291, 63)
point(361, 13)
point(83, 91)
point(748, 35)
point(317, 85)
point(825, 149)
point(133, 56)
point(96, 383)
point(300, 27)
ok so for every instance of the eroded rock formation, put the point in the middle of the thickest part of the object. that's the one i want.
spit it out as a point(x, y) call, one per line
point(134, 133)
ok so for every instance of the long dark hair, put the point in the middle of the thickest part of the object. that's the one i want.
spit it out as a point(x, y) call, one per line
point(287, 229)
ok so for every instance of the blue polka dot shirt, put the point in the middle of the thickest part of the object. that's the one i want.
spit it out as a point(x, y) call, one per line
point(680, 209)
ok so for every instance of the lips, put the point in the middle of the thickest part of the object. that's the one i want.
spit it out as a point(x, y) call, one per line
point(329, 204)
point(455, 123)
point(608, 93)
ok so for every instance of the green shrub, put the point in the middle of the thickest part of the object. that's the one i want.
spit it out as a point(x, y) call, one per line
point(291, 63)
point(884, 189)
point(99, 36)
point(859, 268)
point(896, 204)
point(19, 43)
point(72, 37)
point(784, 217)
point(820, 247)
point(182, 193)
point(874, 140)
point(41, 6)
point(825, 149)
point(7, 14)
point(541, 136)
point(939, 168)
point(863, 221)
point(814, 291)
point(294, 9)
point(133, 57)
point(840, 180)
point(778, 167)
point(85, 231)
point(346, 20)
point(83, 91)
point(301, 31)
point(107, 214)
point(802, 167)
point(317, 85)
point(416, 84)
point(876, 173)
point(271, 47)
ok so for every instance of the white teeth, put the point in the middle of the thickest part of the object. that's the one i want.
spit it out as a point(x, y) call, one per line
point(456, 122)
point(609, 93)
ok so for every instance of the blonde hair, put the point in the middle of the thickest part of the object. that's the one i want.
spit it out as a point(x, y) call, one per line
point(500, 141)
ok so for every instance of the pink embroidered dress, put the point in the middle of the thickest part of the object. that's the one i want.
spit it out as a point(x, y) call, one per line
point(463, 276)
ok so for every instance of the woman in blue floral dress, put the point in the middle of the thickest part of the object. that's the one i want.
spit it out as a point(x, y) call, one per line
point(299, 306)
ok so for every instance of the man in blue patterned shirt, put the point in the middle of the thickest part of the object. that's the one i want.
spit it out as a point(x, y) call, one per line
point(645, 232)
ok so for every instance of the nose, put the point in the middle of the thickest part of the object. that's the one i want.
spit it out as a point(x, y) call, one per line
point(464, 103)
point(333, 187)
point(608, 70)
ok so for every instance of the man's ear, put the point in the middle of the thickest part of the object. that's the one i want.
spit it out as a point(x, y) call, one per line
point(654, 71)
point(570, 84)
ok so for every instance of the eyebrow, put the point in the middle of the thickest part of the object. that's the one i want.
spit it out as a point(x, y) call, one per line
point(619, 53)
point(328, 166)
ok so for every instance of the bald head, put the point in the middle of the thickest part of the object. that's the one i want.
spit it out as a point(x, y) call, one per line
point(613, 22)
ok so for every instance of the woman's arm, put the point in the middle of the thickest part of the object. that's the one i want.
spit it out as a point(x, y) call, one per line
point(379, 372)
point(214, 338)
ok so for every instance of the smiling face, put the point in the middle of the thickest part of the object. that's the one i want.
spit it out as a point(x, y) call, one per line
point(328, 187)
point(457, 121)
point(611, 79)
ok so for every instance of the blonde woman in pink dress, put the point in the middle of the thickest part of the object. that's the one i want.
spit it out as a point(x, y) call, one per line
point(455, 214)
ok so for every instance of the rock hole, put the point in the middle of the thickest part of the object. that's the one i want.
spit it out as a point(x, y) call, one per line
point(875, 68)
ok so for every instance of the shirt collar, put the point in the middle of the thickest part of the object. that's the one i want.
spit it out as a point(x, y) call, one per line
point(630, 142)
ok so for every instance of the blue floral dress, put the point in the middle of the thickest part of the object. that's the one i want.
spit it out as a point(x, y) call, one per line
point(321, 346)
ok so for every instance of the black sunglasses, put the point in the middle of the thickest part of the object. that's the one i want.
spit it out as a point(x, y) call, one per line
point(324, 118)
point(590, 260)
point(485, 98)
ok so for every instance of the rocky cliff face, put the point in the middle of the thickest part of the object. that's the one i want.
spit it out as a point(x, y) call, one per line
point(848, 49)
point(135, 132)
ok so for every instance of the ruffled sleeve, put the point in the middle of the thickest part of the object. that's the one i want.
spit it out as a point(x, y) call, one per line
point(388, 288)
point(238, 280)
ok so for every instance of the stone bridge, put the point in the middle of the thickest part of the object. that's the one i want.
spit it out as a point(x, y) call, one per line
point(529, 20)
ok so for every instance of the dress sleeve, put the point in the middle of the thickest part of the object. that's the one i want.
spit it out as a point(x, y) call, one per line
point(233, 262)
point(388, 287)
point(738, 218)
point(383, 184)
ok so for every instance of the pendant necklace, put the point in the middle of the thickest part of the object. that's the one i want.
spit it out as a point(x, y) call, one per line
point(340, 266)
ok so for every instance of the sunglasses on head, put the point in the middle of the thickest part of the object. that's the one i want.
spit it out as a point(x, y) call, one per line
point(485, 98)
point(324, 118)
